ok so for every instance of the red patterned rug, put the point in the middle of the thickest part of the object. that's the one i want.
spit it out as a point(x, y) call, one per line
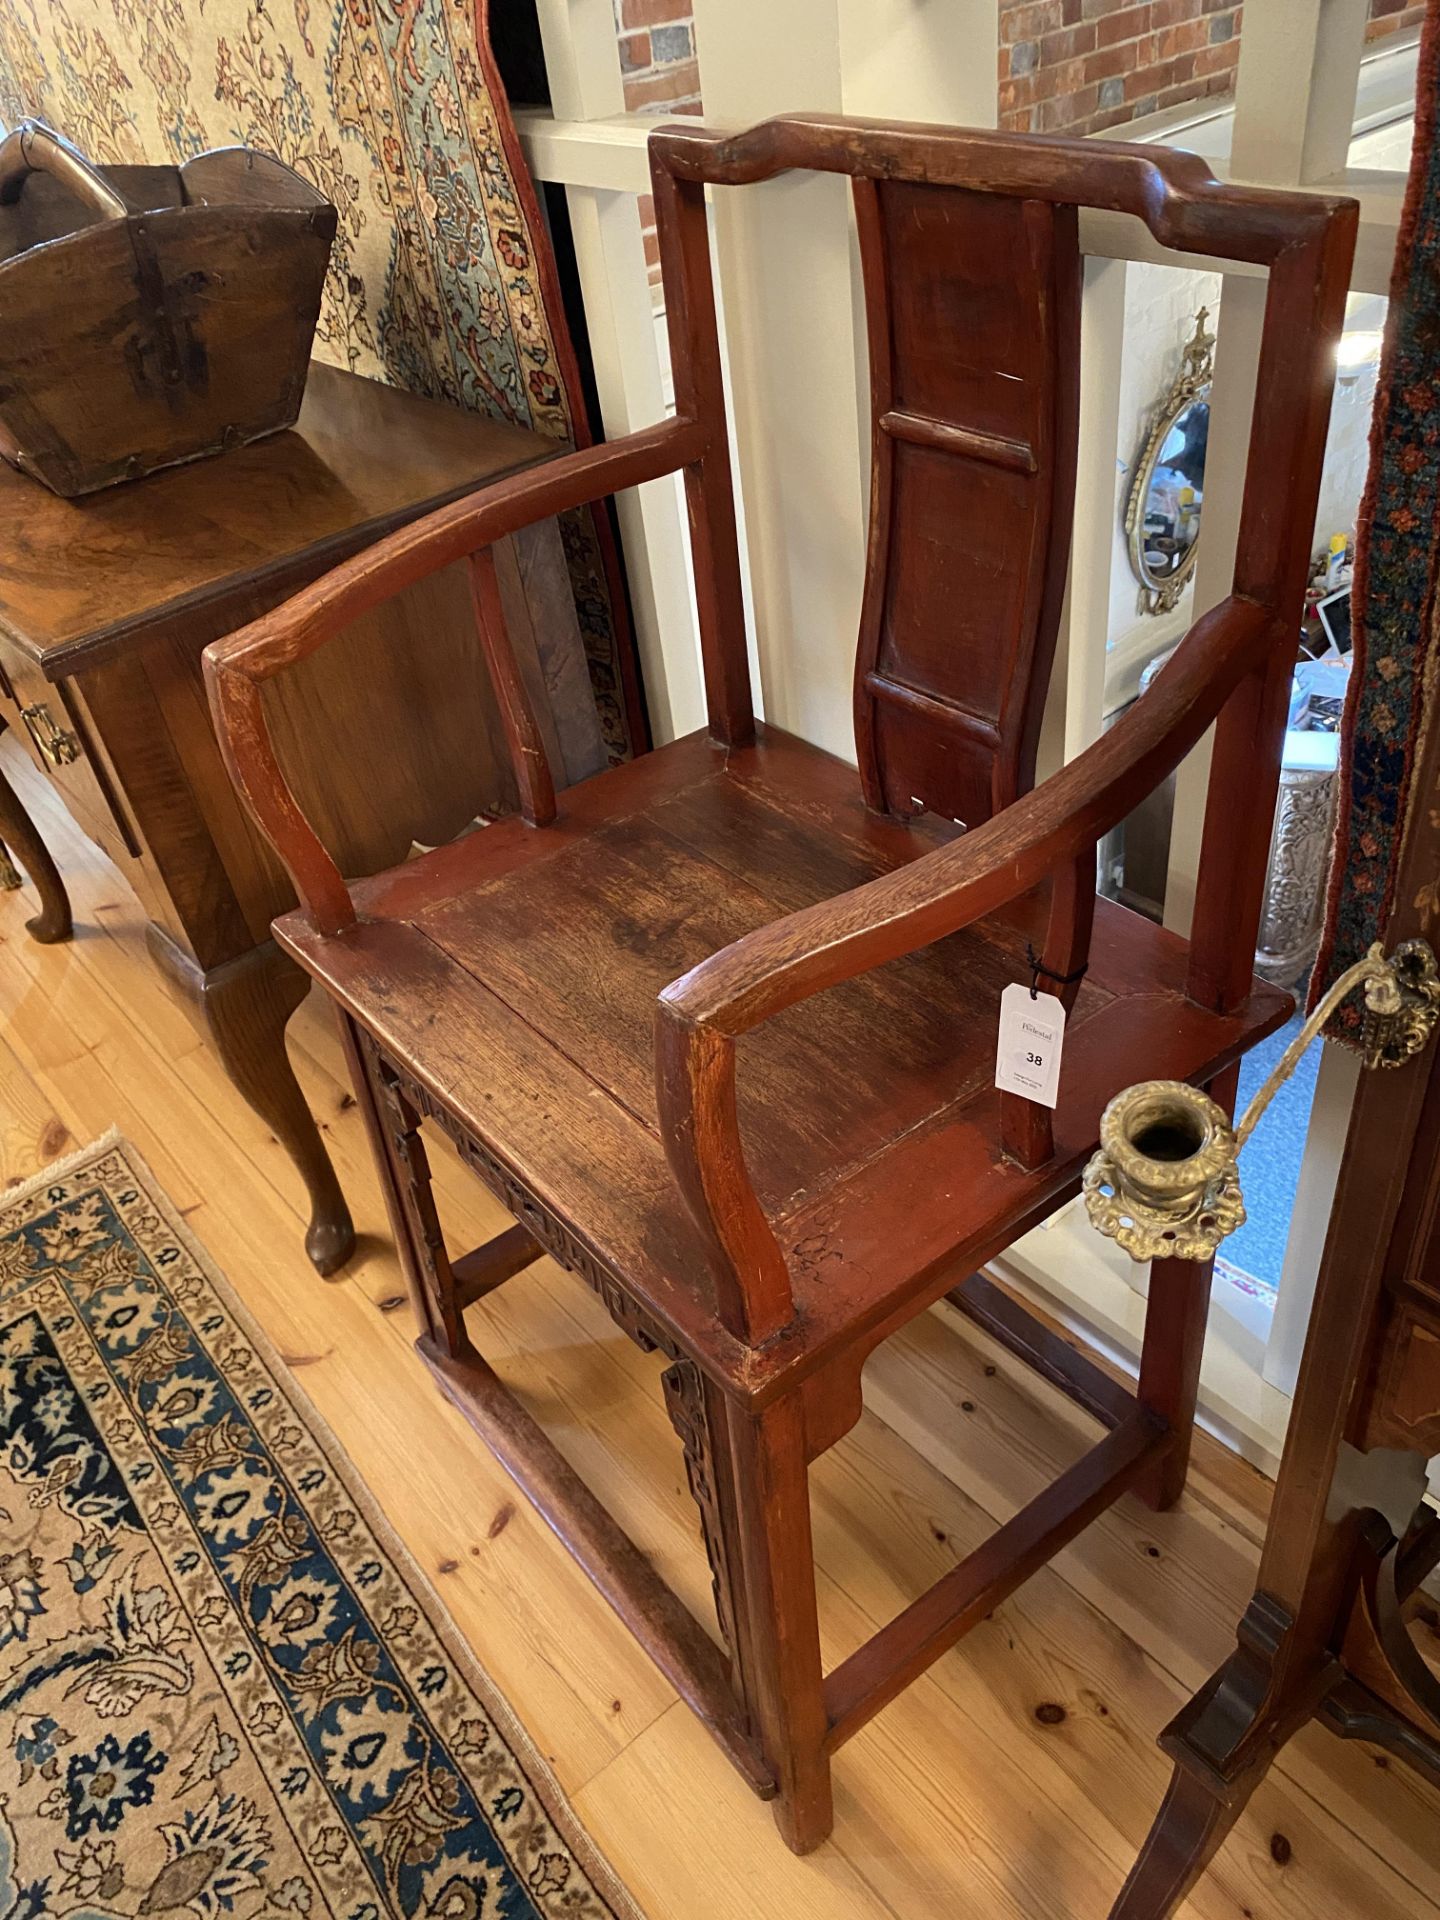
point(1396, 653)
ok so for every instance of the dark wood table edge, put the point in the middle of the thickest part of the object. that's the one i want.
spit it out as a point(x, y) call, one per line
point(282, 577)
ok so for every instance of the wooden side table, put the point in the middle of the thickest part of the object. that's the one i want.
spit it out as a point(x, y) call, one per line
point(105, 605)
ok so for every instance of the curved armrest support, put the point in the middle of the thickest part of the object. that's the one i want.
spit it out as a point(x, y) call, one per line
point(700, 1015)
point(237, 666)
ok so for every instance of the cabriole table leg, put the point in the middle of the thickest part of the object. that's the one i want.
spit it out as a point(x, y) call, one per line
point(18, 834)
point(245, 1005)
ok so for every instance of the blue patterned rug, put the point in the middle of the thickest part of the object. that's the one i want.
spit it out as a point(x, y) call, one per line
point(225, 1689)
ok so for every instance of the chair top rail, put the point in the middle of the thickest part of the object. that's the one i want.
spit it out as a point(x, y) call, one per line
point(1181, 202)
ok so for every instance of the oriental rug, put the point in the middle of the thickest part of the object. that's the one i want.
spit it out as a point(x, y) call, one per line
point(225, 1688)
point(1395, 619)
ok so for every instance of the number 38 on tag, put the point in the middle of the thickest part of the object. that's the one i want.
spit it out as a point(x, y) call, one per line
point(1032, 1034)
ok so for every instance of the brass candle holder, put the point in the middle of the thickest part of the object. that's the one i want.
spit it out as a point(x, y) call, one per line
point(1165, 1183)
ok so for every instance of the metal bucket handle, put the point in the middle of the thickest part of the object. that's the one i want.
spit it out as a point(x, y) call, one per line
point(32, 147)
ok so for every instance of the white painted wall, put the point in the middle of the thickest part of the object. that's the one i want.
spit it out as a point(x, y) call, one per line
point(792, 316)
point(582, 58)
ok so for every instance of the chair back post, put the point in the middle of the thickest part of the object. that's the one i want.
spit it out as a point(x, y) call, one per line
point(1304, 312)
point(684, 237)
point(974, 415)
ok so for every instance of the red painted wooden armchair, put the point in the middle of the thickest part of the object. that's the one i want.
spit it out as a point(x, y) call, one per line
point(719, 1028)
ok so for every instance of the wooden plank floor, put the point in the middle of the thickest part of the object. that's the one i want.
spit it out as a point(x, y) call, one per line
point(1016, 1779)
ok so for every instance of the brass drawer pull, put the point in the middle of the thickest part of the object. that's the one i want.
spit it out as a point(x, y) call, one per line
point(58, 746)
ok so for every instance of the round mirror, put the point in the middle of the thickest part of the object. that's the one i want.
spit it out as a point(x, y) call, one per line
point(1162, 518)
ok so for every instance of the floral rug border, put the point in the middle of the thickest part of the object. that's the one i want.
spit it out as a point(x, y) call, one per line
point(265, 1355)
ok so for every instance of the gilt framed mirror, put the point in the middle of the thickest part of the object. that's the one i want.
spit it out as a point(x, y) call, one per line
point(1163, 512)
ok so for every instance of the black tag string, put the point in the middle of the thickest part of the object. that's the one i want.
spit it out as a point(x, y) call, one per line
point(1037, 967)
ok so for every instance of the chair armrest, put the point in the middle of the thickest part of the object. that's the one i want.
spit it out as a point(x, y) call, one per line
point(938, 894)
point(237, 666)
point(699, 1015)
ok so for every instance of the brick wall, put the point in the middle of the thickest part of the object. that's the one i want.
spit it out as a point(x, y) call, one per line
point(1071, 66)
point(658, 67)
point(657, 56)
point(1084, 66)
point(1389, 16)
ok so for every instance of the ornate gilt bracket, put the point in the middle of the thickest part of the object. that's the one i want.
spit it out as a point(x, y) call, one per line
point(1160, 592)
point(1165, 1182)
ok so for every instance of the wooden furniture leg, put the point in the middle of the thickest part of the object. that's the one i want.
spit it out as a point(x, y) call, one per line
point(17, 832)
point(698, 1414)
point(1175, 1317)
point(421, 1240)
point(245, 1006)
point(1189, 1830)
point(780, 1631)
point(369, 1099)
point(1284, 1673)
point(1176, 1314)
point(1222, 1744)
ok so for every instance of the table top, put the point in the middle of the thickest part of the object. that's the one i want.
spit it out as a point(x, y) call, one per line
point(80, 578)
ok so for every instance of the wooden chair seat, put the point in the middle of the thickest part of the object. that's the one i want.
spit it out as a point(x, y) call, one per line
point(546, 951)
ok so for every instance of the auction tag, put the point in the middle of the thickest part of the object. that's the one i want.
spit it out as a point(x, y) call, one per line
point(1032, 1034)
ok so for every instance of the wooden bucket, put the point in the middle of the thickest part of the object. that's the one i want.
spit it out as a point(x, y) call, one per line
point(150, 315)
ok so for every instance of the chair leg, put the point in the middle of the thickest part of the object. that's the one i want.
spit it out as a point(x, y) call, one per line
point(404, 1169)
point(698, 1414)
point(1175, 1318)
point(780, 1631)
point(1188, 1832)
